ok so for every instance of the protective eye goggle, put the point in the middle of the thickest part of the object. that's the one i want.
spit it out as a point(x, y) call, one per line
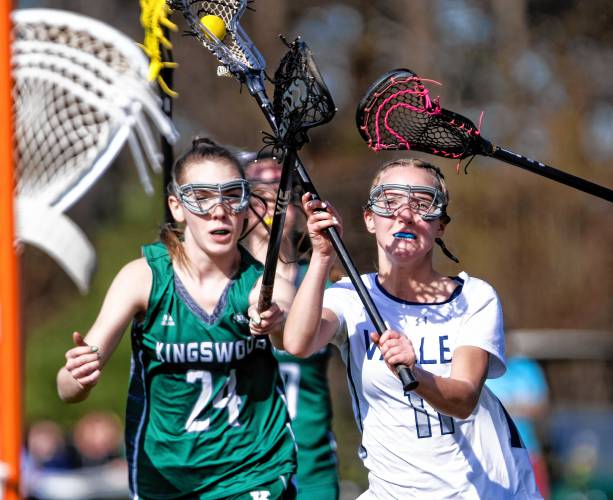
point(388, 200)
point(201, 199)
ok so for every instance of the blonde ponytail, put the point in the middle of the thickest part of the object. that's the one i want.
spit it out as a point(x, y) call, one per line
point(172, 236)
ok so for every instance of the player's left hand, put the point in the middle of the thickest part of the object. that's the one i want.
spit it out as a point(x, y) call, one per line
point(266, 322)
point(396, 348)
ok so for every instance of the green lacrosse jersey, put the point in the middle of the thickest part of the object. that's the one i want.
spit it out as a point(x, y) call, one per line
point(310, 408)
point(206, 416)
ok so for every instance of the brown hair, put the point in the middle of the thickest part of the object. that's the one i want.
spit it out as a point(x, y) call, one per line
point(202, 148)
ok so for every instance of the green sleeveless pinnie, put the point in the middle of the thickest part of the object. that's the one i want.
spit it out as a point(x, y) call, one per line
point(205, 416)
point(310, 408)
point(308, 399)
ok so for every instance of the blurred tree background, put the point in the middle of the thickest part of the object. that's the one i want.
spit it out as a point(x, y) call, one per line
point(539, 70)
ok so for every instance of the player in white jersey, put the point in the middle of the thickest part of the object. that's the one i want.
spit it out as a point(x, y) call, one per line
point(451, 437)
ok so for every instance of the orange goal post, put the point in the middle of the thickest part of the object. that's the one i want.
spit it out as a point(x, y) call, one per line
point(10, 331)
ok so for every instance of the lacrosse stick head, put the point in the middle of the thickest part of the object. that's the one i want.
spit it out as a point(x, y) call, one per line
point(301, 98)
point(80, 94)
point(236, 52)
point(398, 113)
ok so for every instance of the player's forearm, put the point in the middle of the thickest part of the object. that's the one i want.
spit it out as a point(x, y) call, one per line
point(69, 390)
point(301, 335)
point(276, 336)
point(452, 397)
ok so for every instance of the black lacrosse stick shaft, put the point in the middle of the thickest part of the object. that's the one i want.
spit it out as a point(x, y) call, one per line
point(284, 197)
point(256, 89)
point(255, 85)
point(167, 150)
point(551, 173)
point(407, 378)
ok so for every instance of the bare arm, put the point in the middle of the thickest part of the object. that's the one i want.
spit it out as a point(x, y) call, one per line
point(126, 297)
point(456, 395)
point(309, 327)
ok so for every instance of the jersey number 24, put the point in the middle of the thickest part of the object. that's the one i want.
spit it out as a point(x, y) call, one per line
point(225, 399)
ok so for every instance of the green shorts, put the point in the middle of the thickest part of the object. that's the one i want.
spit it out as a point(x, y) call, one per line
point(328, 491)
point(279, 489)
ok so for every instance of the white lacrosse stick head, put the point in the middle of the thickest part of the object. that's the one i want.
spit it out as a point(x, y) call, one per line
point(236, 52)
point(80, 93)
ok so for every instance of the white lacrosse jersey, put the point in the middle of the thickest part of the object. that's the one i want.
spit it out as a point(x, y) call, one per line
point(410, 449)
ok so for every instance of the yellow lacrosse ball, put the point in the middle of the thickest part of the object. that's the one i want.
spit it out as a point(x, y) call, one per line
point(215, 25)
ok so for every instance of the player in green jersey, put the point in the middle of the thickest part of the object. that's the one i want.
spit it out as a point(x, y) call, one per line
point(206, 416)
point(306, 384)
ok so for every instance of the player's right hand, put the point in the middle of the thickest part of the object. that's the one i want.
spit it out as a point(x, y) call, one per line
point(396, 348)
point(83, 362)
point(266, 322)
point(320, 216)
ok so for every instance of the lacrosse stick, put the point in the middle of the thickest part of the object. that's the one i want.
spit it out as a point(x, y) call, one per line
point(80, 94)
point(240, 58)
point(157, 27)
point(236, 52)
point(168, 156)
point(49, 229)
point(398, 113)
point(301, 101)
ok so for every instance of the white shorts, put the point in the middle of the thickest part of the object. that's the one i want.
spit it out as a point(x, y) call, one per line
point(378, 489)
